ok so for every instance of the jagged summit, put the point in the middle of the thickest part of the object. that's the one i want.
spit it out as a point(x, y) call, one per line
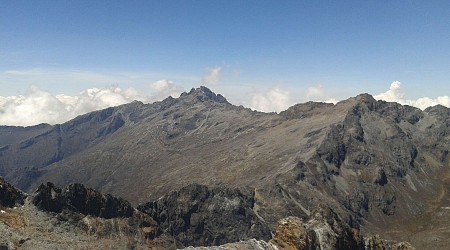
point(203, 94)
point(363, 98)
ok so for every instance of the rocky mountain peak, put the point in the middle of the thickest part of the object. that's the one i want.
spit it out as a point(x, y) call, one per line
point(365, 98)
point(361, 100)
point(203, 94)
point(439, 111)
point(304, 110)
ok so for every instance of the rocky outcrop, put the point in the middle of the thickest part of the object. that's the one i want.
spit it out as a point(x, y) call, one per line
point(200, 216)
point(9, 195)
point(203, 94)
point(48, 198)
point(331, 232)
point(291, 233)
point(324, 230)
point(78, 198)
point(251, 244)
point(377, 243)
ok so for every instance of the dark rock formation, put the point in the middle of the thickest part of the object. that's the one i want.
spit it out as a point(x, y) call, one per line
point(89, 201)
point(332, 232)
point(381, 178)
point(9, 195)
point(77, 198)
point(201, 216)
point(324, 230)
point(48, 198)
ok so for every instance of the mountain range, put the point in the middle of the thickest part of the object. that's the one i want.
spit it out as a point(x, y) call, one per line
point(382, 168)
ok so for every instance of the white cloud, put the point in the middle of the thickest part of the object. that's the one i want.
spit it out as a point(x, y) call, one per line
point(212, 77)
point(394, 94)
point(425, 102)
point(164, 88)
point(275, 99)
point(40, 106)
point(318, 93)
point(331, 100)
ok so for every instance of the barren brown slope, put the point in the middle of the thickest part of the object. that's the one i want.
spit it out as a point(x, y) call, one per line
point(197, 141)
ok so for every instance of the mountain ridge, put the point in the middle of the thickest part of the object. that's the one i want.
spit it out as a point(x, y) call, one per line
point(373, 162)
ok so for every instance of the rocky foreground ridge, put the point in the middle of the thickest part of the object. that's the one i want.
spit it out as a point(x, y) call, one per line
point(77, 217)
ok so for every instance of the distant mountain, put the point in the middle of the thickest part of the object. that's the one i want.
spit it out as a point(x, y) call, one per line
point(382, 167)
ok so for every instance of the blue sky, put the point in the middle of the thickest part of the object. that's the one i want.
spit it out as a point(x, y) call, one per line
point(339, 48)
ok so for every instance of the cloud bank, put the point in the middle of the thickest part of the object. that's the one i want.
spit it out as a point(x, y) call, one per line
point(278, 99)
point(394, 94)
point(39, 106)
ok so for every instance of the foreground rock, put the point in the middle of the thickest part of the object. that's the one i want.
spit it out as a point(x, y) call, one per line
point(200, 216)
point(251, 244)
point(324, 230)
point(9, 195)
point(194, 216)
point(78, 198)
